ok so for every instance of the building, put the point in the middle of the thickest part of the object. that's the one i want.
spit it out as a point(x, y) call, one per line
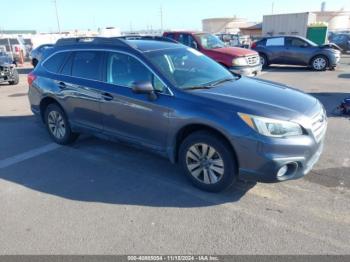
point(224, 25)
point(254, 31)
point(297, 23)
point(336, 20)
point(287, 24)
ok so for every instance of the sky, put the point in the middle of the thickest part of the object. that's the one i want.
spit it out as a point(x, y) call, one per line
point(137, 14)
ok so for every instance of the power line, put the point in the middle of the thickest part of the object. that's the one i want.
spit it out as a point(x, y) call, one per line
point(57, 17)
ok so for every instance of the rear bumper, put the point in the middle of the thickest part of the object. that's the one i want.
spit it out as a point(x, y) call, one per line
point(246, 70)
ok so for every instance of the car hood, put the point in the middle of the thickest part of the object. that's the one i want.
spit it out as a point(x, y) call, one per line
point(234, 51)
point(264, 98)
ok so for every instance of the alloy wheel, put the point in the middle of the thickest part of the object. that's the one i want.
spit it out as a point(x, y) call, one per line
point(319, 63)
point(56, 124)
point(205, 163)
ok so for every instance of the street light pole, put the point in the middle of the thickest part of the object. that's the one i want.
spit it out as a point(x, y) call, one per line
point(161, 18)
point(57, 17)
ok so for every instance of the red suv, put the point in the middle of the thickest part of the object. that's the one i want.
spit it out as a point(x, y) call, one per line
point(238, 60)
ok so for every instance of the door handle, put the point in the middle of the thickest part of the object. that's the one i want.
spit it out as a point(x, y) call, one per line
point(61, 85)
point(107, 96)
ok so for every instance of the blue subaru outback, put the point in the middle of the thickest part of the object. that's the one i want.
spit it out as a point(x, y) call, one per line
point(175, 101)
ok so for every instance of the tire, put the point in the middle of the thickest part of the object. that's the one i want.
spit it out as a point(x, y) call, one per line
point(264, 61)
point(34, 62)
point(58, 126)
point(15, 80)
point(319, 63)
point(216, 172)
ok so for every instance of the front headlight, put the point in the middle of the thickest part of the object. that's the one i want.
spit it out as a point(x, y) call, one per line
point(272, 127)
point(240, 61)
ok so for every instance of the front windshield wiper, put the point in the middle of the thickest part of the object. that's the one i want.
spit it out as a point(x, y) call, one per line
point(196, 87)
point(211, 84)
point(220, 81)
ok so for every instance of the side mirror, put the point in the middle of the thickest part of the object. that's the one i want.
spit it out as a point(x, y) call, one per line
point(144, 87)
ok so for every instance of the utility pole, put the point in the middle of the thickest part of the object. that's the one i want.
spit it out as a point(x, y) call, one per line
point(57, 17)
point(273, 7)
point(161, 18)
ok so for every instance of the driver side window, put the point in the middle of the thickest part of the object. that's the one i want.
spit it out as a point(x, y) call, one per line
point(123, 70)
point(296, 42)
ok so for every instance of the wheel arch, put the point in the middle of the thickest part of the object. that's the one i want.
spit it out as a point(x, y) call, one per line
point(316, 55)
point(189, 129)
point(44, 103)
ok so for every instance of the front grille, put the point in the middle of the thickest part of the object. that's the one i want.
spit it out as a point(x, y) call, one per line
point(4, 69)
point(253, 60)
point(319, 125)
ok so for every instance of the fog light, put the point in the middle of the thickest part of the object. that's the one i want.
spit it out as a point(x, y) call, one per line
point(283, 170)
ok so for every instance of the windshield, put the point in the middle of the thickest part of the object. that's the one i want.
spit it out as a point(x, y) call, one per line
point(187, 68)
point(209, 41)
point(309, 42)
point(4, 59)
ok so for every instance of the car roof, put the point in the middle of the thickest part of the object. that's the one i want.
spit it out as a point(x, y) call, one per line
point(152, 45)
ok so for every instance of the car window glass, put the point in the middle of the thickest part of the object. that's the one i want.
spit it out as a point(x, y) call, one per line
point(124, 69)
point(54, 63)
point(171, 36)
point(187, 40)
point(67, 67)
point(296, 42)
point(275, 41)
point(87, 64)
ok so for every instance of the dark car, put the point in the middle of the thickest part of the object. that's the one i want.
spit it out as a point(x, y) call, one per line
point(342, 40)
point(295, 50)
point(238, 60)
point(179, 103)
point(39, 53)
point(8, 72)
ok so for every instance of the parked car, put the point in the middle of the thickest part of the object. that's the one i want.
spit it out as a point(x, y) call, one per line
point(39, 53)
point(238, 60)
point(296, 50)
point(8, 72)
point(342, 40)
point(14, 45)
point(235, 40)
point(177, 102)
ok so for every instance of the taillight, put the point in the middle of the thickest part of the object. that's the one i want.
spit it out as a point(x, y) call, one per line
point(31, 78)
point(253, 45)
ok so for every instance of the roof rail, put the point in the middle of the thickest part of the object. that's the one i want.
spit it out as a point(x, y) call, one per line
point(147, 37)
point(92, 40)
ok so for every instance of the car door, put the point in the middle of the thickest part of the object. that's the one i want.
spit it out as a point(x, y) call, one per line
point(275, 48)
point(130, 116)
point(81, 83)
point(297, 51)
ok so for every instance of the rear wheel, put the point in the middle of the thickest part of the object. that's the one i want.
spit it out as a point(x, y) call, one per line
point(15, 80)
point(319, 63)
point(208, 161)
point(58, 126)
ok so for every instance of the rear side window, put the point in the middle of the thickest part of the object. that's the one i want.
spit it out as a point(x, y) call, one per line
point(171, 36)
point(54, 63)
point(279, 41)
point(87, 64)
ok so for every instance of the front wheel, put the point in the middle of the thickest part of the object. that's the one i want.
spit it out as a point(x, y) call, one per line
point(15, 79)
point(208, 161)
point(319, 63)
point(58, 126)
point(263, 60)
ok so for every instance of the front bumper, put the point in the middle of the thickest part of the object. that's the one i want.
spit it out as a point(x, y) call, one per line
point(260, 161)
point(6, 75)
point(246, 70)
